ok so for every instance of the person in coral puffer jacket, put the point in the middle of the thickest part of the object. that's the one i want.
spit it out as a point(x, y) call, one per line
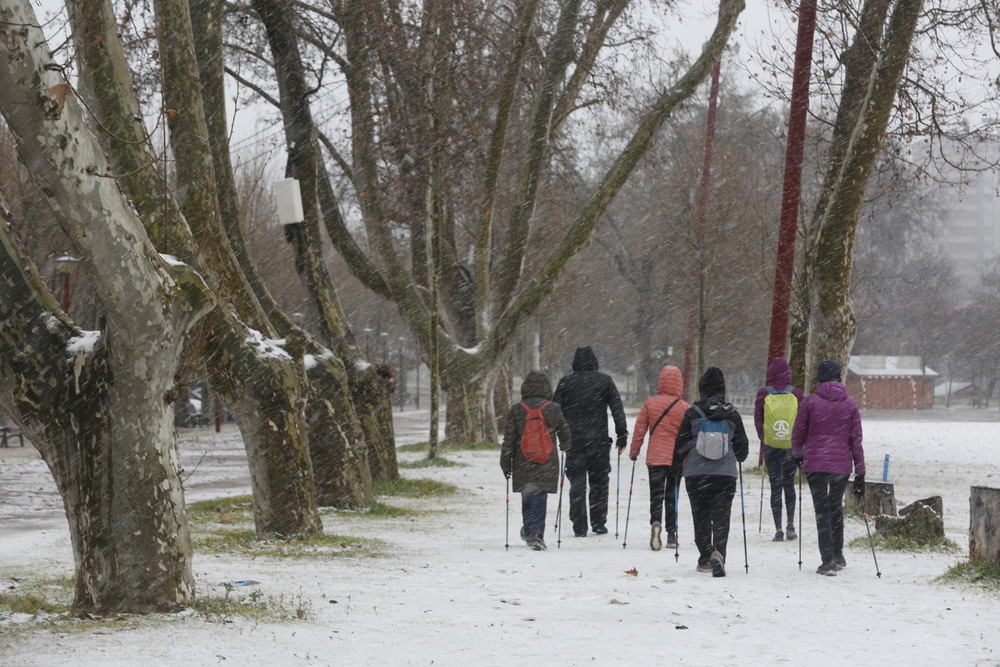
point(661, 416)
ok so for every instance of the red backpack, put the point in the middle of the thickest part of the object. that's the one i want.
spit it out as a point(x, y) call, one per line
point(536, 442)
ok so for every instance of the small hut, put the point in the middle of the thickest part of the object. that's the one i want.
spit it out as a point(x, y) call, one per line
point(890, 383)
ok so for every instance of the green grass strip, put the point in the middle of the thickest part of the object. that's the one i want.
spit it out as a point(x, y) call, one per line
point(982, 574)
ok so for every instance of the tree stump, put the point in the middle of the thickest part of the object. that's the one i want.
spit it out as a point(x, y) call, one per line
point(880, 498)
point(984, 524)
point(921, 521)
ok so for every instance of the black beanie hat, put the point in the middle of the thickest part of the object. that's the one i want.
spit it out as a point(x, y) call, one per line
point(829, 370)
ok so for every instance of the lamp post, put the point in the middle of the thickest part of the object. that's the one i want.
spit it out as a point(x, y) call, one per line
point(402, 376)
point(385, 347)
point(416, 391)
point(368, 343)
point(66, 265)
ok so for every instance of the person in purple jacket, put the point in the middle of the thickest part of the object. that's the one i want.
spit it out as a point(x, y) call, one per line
point(778, 453)
point(826, 441)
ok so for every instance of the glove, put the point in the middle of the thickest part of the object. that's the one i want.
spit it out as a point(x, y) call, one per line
point(798, 463)
point(859, 485)
point(506, 473)
point(633, 458)
point(622, 442)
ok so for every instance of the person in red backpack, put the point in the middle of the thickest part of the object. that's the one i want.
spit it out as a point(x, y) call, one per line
point(534, 474)
point(661, 416)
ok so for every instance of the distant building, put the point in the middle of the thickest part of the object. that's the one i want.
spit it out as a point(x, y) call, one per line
point(890, 383)
point(970, 234)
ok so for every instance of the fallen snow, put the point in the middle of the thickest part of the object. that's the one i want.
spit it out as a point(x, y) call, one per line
point(448, 593)
point(85, 343)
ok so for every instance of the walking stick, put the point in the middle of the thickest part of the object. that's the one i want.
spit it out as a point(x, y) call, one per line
point(506, 545)
point(870, 542)
point(743, 511)
point(760, 517)
point(562, 483)
point(677, 517)
point(800, 516)
point(628, 509)
point(618, 487)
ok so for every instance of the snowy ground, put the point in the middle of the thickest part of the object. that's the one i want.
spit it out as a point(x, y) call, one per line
point(449, 594)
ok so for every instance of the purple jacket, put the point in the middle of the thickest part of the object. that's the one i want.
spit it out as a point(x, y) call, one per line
point(827, 432)
point(779, 374)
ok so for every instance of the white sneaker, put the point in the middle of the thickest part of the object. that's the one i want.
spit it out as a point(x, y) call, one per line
point(655, 543)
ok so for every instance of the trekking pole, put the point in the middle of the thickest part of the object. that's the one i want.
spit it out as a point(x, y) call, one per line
point(628, 509)
point(677, 521)
point(562, 483)
point(618, 487)
point(800, 517)
point(870, 542)
point(506, 545)
point(760, 517)
point(743, 511)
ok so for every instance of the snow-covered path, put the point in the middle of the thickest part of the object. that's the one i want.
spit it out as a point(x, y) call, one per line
point(449, 594)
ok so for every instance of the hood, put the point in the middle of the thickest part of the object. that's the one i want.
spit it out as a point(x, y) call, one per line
point(712, 385)
point(536, 385)
point(670, 383)
point(832, 391)
point(585, 359)
point(779, 374)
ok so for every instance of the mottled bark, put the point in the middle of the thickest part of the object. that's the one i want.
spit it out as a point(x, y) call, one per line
point(100, 418)
point(829, 324)
point(261, 390)
point(345, 442)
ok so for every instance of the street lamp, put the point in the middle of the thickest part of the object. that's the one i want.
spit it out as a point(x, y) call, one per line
point(368, 343)
point(385, 347)
point(66, 265)
point(401, 375)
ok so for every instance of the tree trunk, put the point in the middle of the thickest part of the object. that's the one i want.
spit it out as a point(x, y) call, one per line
point(984, 524)
point(99, 418)
point(246, 380)
point(467, 418)
point(372, 393)
point(825, 282)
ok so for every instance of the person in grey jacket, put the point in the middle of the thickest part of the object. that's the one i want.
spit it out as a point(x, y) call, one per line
point(534, 481)
point(711, 483)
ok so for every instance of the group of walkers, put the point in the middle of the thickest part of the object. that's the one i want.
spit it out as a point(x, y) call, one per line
point(703, 444)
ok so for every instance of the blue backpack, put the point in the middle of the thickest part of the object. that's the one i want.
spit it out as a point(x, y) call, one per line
point(713, 440)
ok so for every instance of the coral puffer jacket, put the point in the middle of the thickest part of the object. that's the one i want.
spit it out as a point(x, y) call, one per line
point(661, 441)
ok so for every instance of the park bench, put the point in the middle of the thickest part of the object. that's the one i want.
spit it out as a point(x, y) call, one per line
point(7, 434)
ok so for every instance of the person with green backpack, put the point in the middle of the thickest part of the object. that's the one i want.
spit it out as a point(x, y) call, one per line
point(774, 417)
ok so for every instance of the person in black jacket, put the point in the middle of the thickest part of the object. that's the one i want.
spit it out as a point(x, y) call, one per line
point(711, 480)
point(585, 395)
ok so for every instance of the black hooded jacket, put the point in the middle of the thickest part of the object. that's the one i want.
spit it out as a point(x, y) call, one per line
point(529, 476)
point(712, 402)
point(585, 396)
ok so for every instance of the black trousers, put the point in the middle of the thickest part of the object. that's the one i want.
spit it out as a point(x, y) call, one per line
point(781, 473)
point(711, 498)
point(661, 496)
point(588, 465)
point(827, 491)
